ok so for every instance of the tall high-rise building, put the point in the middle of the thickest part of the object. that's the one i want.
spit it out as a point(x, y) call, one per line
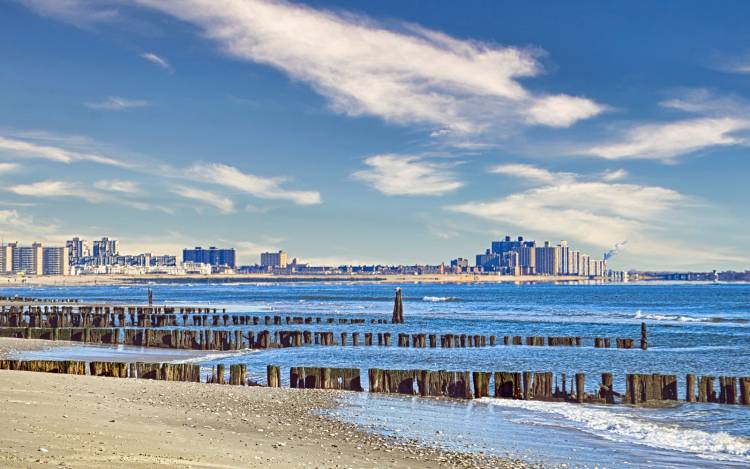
point(565, 258)
point(527, 259)
point(106, 247)
point(28, 259)
point(212, 256)
point(77, 249)
point(6, 258)
point(55, 261)
point(274, 259)
point(548, 259)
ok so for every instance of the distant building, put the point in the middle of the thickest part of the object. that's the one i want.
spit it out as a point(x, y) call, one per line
point(548, 259)
point(274, 259)
point(55, 261)
point(212, 256)
point(106, 248)
point(28, 259)
point(489, 261)
point(6, 259)
point(77, 249)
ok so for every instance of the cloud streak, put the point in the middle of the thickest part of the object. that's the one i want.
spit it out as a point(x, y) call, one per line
point(223, 204)
point(27, 149)
point(408, 175)
point(157, 60)
point(402, 73)
point(115, 103)
point(716, 122)
point(260, 187)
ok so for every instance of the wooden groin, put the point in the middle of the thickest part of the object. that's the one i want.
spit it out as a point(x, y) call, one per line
point(152, 316)
point(69, 367)
point(641, 388)
point(346, 379)
point(527, 385)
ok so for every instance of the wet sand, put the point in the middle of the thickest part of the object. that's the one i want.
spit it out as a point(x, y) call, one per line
point(89, 422)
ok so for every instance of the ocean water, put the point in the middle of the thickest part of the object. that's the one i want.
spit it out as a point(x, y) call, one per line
point(693, 328)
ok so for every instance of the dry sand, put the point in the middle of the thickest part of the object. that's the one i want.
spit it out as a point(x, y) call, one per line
point(92, 422)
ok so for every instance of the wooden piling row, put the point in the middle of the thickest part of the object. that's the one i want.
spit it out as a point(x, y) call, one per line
point(346, 379)
point(640, 388)
point(153, 316)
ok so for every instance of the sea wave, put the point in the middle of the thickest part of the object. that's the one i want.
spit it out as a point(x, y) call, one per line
point(214, 356)
point(674, 317)
point(439, 299)
point(621, 427)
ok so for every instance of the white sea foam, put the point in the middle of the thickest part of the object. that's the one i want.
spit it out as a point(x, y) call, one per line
point(439, 299)
point(618, 426)
point(214, 356)
point(669, 317)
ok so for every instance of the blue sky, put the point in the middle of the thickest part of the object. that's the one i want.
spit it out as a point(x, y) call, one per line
point(390, 131)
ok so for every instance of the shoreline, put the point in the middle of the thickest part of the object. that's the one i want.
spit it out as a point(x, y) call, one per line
point(235, 279)
point(87, 421)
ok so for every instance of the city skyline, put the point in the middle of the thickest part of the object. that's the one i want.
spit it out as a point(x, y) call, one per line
point(505, 256)
point(213, 123)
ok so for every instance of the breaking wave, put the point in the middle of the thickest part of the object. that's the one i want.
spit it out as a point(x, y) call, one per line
point(439, 299)
point(618, 426)
point(681, 318)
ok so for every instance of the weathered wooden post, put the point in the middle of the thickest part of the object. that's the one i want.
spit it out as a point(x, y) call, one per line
point(273, 375)
point(580, 387)
point(398, 309)
point(644, 337)
point(727, 390)
point(745, 390)
point(606, 389)
point(690, 388)
point(219, 374)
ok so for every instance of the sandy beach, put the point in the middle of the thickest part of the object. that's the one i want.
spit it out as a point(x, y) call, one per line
point(91, 422)
point(111, 279)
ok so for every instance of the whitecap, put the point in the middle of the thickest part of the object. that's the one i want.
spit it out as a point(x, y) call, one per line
point(439, 299)
point(618, 426)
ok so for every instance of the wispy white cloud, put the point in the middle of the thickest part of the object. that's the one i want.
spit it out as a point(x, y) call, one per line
point(118, 185)
point(667, 141)
point(157, 60)
point(719, 121)
point(614, 175)
point(402, 73)
point(28, 149)
point(8, 167)
point(562, 110)
point(223, 204)
point(532, 173)
point(115, 103)
point(411, 175)
point(50, 188)
point(77, 12)
point(739, 63)
point(101, 194)
point(261, 187)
